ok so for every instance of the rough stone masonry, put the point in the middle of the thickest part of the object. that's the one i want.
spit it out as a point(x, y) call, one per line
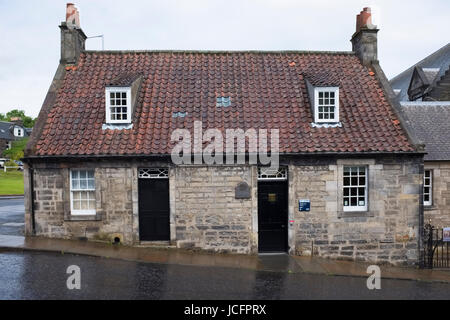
point(204, 213)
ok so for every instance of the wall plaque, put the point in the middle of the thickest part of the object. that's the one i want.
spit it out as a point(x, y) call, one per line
point(243, 191)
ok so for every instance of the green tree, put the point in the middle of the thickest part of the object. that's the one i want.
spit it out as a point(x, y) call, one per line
point(17, 149)
point(28, 122)
point(15, 114)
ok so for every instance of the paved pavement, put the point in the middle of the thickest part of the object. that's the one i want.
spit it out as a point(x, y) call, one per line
point(274, 263)
point(33, 275)
point(12, 211)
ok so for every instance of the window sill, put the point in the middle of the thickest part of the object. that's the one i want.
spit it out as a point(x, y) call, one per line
point(429, 208)
point(93, 217)
point(326, 124)
point(117, 126)
point(355, 214)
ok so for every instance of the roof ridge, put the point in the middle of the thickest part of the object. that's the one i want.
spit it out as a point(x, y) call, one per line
point(221, 51)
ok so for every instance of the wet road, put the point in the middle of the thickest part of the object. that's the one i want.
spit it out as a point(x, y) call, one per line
point(43, 276)
point(12, 213)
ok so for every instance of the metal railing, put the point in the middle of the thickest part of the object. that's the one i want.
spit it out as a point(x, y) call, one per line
point(436, 250)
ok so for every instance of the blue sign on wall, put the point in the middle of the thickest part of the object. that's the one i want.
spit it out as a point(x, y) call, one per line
point(304, 205)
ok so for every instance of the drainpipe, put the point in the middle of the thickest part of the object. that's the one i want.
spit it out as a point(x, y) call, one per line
point(31, 178)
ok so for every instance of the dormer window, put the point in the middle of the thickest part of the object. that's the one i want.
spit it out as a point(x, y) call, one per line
point(326, 105)
point(118, 105)
point(18, 132)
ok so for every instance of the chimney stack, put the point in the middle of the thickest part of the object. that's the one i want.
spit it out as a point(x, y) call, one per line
point(365, 43)
point(73, 38)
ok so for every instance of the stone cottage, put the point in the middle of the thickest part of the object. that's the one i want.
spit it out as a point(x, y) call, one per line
point(348, 184)
point(424, 94)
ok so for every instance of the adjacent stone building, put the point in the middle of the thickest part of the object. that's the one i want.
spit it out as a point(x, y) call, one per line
point(424, 94)
point(100, 162)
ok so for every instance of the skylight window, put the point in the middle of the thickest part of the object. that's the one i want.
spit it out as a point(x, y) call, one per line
point(223, 102)
point(179, 114)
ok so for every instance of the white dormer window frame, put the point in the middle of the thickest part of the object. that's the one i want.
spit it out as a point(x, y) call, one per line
point(326, 100)
point(116, 102)
point(19, 132)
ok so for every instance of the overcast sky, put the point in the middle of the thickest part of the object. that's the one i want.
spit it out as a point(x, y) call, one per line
point(30, 49)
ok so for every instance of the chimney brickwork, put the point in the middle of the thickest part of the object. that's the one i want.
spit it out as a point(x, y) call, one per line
point(365, 41)
point(72, 37)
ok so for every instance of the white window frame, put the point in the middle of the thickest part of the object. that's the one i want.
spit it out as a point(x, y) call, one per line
point(270, 174)
point(154, 173)
point(356, 208)
point(428, 203)
point(18, 132)
point(110, 90)
point(317, 90)
point(80, 212)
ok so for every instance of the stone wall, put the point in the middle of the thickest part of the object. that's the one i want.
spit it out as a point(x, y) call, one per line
point(114, 204)
point(439, 213)
point(207, 215)
point(388, 232)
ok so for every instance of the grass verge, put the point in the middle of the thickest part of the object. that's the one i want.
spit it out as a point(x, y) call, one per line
point(11, 183)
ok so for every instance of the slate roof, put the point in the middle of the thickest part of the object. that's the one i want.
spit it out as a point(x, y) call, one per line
point(437, 60)
point(267, 90)
point(429, 123)
point(431, 74)
point(6, 130)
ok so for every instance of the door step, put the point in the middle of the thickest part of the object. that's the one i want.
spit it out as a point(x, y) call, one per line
point(156, 244)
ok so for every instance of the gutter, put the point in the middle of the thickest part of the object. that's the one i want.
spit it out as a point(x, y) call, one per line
point(29, 159)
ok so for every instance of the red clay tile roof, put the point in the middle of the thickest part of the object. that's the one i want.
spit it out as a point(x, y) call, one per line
point(322, 78)
point(123, 80)
point(267, 90)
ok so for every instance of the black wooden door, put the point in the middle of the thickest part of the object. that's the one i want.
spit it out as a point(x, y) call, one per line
point(273, 216)
point(154, 220)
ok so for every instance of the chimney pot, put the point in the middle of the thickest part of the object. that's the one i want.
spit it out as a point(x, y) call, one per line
point(364, 20)
point(72, 16)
